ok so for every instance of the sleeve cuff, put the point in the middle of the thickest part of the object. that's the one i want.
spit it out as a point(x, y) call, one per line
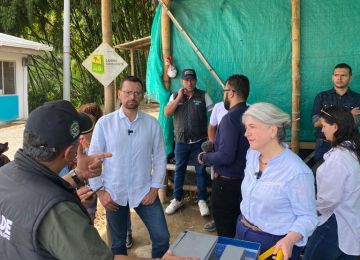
point(157, 185)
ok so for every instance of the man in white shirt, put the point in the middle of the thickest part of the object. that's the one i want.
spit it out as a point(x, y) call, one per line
point(133, 176)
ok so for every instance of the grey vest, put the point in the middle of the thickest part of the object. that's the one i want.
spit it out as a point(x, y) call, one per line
point(28, 190)
point(190, 118)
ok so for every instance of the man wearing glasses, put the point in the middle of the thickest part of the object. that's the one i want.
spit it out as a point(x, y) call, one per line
point(135, 173)
point(229, 157)
point(189, 107)
point(340, 95)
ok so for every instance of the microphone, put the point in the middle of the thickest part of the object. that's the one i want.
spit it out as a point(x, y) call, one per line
point(130, 131)
point(258, 174)
point(207, 146)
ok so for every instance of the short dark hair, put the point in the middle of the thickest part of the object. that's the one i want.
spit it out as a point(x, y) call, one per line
point(347, 129)
point(240, 83)
point(344, 66)
point(132, 79)
point(33, 146)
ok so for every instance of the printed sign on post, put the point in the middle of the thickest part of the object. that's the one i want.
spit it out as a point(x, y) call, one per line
point(104, 64)
point(97, 63)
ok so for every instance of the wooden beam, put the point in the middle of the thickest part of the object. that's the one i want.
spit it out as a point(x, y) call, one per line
point(134, 44)
point(295, 65)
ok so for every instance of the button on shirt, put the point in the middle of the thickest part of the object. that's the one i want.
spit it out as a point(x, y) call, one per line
point(138, 159)
point(283, 199)
point(338, 183)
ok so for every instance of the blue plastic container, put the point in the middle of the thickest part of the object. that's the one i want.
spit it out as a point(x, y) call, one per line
point(252, 249)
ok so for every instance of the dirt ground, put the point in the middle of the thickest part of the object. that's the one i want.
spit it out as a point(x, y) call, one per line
point(187, 218)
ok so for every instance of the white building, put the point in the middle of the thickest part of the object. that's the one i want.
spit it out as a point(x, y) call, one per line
point(14, 52)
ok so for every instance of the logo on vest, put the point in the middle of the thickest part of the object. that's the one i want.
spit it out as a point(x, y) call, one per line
point(5, 227)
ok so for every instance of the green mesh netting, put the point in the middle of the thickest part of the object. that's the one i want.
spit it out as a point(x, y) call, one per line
point(254, 38)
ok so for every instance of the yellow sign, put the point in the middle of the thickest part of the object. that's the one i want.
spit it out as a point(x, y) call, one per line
point(97, 63)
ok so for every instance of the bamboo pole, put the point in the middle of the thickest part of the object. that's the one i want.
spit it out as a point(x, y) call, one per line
point(295, 126)
point(165, 41)
point(132, 63)
point(109, 97)
point(109, 100)
point(187, 37)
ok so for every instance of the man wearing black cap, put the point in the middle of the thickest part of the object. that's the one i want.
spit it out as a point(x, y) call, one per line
point(41, 215)
point(189, 107)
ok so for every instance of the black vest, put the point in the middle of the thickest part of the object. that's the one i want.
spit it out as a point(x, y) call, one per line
point(28, 190)
point(190, 118)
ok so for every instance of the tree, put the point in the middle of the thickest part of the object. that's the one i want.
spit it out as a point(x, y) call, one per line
point(42, 21)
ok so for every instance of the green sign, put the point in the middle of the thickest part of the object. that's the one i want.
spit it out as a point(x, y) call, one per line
point(97, 63)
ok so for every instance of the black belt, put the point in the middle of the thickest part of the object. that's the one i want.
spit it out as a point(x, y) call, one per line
point(219, 176)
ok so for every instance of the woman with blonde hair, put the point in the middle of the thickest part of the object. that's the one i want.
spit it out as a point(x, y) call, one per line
point(278, 206)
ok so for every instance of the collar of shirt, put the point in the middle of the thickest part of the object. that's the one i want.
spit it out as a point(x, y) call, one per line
point(123, 116)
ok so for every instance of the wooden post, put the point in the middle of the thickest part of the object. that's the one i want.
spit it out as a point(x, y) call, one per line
point(165, 41)
point(109, 99)
point(295, 126)
point(132, 65)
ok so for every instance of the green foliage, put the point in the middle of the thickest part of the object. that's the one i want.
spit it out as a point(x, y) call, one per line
point(42, 21)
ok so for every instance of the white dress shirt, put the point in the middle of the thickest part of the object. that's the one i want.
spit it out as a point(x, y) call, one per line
point(138, 159)
point(338, 192)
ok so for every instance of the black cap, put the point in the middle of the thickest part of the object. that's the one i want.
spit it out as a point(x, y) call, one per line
point(188, 74)
point(58, 124)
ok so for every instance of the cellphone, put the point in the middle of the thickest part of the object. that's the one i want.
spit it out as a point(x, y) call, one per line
point(93, 192)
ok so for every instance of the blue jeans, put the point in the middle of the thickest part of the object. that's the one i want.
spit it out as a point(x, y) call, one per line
point(154, 220)
point(183, 153)
point(265, 239)
point(324, 243)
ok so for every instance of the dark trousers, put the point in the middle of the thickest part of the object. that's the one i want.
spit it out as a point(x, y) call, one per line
point(225, 200)
point(324, 243)
point(265, 239)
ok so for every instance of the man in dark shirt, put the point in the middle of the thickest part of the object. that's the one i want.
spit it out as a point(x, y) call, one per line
point(229, 157)
point(340, 95)
point(189, 106)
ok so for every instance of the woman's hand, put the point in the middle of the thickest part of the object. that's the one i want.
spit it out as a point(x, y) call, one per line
point(286, 244)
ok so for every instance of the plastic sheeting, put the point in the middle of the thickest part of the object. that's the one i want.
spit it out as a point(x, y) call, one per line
point(254, 38)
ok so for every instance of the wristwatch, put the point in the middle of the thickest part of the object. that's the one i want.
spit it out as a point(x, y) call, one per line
point(76, 179)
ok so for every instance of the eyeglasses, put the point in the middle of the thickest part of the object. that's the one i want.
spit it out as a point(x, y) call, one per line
point(227, 89)
point(130, 93)
point(326, 113)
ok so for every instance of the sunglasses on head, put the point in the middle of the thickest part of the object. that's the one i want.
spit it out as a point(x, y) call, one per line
point(326, 113)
